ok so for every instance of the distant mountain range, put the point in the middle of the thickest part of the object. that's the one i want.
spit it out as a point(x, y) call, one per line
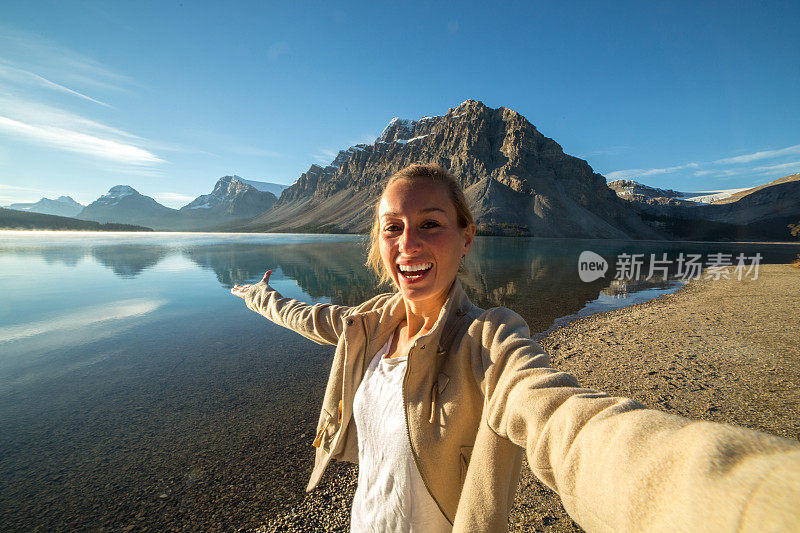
point(758, 213)
point(232, 198)
point(62, 206)
point(516, 180)
point(633, 190)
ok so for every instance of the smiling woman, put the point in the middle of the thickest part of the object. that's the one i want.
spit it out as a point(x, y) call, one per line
point(437, 400)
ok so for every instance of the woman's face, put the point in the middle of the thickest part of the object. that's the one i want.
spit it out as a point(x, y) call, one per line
point(420, 241)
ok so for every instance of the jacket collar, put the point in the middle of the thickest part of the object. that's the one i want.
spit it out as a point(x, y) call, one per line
point(380, 323)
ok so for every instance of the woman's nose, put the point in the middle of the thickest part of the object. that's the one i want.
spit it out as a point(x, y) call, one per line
point(409, 241)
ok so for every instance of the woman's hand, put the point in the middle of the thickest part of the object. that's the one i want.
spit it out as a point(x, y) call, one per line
point(241, 290)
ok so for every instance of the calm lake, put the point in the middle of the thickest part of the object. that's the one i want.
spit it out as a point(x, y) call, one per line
point(136, 391)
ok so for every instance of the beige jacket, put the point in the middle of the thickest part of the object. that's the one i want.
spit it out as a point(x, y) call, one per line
point(478, 392)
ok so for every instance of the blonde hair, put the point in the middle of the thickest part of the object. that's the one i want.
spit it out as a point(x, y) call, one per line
point(416, 172)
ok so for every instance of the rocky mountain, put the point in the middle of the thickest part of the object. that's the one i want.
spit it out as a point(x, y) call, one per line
point(123, 204)
point(63, 206)
point(746, 192)
point(517, 181)
point(633, 190)
point(629, 188)
point(231, 198)
point(759, 213)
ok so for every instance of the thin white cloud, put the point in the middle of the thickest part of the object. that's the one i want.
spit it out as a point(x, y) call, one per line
point(27, 109)
point(78, 142)
point(325, 155)
point(757, 156)
point(16, 75)
point(51, 84)
point(642, 172)
point(783, 166)
point(33, 72)
point(712, 168)
point(720, 172)
point(54, 61)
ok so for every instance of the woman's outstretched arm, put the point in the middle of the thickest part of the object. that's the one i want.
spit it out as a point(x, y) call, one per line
point(322, 323)
point(619, 466)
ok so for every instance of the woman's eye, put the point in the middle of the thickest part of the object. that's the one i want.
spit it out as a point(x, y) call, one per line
point(430, 224)
point(391, 228)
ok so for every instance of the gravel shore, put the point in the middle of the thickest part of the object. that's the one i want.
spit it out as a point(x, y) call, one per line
point(718, 350)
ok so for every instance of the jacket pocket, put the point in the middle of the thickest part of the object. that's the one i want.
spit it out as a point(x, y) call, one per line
point(466, 454)
point(328, 427)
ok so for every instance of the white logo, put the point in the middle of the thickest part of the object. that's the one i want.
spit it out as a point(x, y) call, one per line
point(591, 266)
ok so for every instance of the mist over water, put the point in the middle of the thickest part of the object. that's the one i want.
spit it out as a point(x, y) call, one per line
point(135, 389)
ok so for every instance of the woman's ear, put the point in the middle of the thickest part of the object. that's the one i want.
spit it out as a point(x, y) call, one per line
point(469, 235)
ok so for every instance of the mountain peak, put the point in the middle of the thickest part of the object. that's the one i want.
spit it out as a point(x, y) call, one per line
point(467, 105)
point(118, 191)
point(397, 129)
point(124, 204)
point(232, 197)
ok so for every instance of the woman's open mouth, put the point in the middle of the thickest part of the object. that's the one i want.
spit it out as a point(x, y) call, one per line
point(415, 272)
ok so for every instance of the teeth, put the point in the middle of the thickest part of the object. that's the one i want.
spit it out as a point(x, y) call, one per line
point(414, 268)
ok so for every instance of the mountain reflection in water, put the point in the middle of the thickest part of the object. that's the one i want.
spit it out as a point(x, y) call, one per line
point(535, 277)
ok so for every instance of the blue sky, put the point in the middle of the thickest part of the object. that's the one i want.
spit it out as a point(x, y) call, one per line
point(169, 96)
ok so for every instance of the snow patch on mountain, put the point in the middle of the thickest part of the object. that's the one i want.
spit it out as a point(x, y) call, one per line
point(403, 128)
point(707, 197)
point(115, 194)
point(265, 186)
point(405, 141)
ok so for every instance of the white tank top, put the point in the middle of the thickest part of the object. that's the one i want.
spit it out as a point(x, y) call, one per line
point(390, 495)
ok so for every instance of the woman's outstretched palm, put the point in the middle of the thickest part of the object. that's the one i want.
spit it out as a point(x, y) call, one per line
point(241, 290)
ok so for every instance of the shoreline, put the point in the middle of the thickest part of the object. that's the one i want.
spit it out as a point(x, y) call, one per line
point(723, 351)
point(177, 231)
point(704, 332)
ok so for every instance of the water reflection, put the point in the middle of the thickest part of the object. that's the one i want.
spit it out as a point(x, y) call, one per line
point(129, 260)
point(322, 270)
point(535, 277)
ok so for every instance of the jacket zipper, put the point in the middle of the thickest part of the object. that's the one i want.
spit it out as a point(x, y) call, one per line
point(411, 444)
point(434, 392)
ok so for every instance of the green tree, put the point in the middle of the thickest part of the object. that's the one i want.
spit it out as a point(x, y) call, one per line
point(794, 229)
